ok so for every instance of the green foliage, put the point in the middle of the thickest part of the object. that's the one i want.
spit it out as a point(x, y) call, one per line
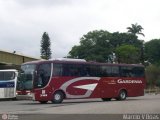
point(128, 54)
point(117, 39)
point(94, 46)
point(135, 29)
point(152, 51)
point(153, 75)
point(158, 82)
point(100, 45)
point(45, 46)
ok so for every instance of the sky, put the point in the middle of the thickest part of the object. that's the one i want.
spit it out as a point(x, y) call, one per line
point(22, 22)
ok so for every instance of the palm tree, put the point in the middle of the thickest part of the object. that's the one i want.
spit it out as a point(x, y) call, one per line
point(135, 29)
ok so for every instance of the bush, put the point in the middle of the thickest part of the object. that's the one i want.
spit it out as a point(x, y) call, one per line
point(158, 83)
point(153, 76)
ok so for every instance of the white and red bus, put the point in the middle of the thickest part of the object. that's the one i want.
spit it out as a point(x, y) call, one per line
point(55, 80)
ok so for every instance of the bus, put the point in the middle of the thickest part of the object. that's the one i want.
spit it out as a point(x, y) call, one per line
point(56, 80)
point(8, 83)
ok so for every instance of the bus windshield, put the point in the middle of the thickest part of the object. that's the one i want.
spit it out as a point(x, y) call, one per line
point(25, 77)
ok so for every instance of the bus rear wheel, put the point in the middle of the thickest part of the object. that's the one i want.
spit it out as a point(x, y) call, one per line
point(122, 95)
point(58, 97)
point(106, 99)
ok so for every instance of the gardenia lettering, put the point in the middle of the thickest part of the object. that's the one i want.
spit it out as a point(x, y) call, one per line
point(129, 81)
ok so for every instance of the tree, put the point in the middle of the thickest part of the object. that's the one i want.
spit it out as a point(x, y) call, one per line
point(117, 39)
point(152, 51)
point(101, 45)
point(94, 46)
point(45, 46)
point(127, 54)
point(135, 29)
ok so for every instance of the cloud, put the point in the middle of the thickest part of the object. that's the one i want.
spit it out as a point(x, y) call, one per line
point(66, 21)
point(47, 3)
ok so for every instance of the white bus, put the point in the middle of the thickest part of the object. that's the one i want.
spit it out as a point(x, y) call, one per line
point(8, 83)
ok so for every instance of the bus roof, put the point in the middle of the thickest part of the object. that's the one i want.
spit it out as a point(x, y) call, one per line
point(80, 62)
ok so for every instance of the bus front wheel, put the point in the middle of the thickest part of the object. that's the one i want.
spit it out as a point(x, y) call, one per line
point(58, 97)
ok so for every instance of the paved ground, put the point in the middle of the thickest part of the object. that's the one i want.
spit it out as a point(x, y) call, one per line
point(144, 104)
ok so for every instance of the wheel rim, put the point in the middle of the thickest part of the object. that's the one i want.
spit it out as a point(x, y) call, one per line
point(123, 95)
point(57, 97)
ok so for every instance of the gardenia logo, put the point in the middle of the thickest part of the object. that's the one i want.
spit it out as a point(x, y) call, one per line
point(129, 81)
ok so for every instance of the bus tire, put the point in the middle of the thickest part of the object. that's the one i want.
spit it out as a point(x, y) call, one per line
point(14, 99)
point(106, 99)
point(43, 102)
point(122, 95)
point(58, 97)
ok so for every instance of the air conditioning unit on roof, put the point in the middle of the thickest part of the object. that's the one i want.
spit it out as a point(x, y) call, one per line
point(70, 59)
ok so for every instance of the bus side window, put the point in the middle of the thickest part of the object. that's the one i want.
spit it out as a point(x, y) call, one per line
point(93, 70)
point(130, 71)
point(85, 71)
point(115, 71)
point(57, 70)
point(72, 70)
point(109, 71)
point(105, 71)
point(126, 71)
point(88, 71)
point(138, 72)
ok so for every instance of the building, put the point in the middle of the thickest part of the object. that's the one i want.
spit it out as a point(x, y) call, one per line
point(13, 60)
